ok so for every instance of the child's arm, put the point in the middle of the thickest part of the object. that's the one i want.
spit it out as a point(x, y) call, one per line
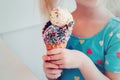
point(90, 72)
point(113, 76)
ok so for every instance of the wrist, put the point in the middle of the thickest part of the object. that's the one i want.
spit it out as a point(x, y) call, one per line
point(80, 58)
point(84, 61)
point(50, 78)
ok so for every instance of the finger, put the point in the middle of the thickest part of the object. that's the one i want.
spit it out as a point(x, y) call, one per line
point(50, 65)
point(58, 62)
point(54, 51)
point(61, 66)
point(56, 57)
point(46, 58)
point(54, 71)
point(54, 76)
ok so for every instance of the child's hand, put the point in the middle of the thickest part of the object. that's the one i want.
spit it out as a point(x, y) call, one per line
point(51, 70)
point(65, 58)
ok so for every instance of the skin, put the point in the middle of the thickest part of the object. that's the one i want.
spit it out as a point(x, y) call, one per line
point(96, 16)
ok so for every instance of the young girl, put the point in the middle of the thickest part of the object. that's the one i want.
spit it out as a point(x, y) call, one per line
point(93, 51)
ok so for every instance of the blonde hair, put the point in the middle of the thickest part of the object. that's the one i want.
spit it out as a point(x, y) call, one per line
point(47, 5)
point(112, 5)
point(45, 8)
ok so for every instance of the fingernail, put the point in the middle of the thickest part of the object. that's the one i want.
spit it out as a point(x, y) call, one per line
point(48, 58)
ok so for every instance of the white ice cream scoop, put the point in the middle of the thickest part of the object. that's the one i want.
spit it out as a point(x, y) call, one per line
point(60, 17)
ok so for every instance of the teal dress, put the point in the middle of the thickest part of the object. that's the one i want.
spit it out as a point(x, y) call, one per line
point(103, 49)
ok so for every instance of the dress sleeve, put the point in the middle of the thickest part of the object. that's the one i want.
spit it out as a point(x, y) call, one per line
point(112, 57)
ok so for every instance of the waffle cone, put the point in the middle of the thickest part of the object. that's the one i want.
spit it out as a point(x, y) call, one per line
point(51, 46)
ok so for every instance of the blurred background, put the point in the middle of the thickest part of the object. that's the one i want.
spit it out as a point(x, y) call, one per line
point(21, 23)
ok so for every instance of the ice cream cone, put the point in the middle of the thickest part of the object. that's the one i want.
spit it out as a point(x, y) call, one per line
point(50, 46)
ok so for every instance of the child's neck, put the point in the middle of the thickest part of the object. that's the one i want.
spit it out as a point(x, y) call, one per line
point(91, 13)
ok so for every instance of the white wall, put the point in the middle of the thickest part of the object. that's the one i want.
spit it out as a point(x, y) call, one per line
point(18, 14)
point(0, 36)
